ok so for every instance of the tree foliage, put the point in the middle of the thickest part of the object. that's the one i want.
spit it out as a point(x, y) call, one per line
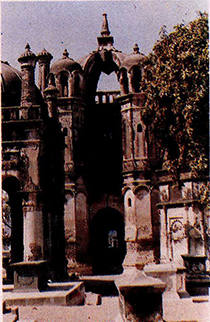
point(176, 82)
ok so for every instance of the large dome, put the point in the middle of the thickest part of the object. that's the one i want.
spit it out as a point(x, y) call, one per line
point(10, 85)
point(65, 64)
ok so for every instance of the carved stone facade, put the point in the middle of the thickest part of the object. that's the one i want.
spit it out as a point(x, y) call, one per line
point(82, 170)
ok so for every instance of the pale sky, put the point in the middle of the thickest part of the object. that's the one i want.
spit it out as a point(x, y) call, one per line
point(75, 25)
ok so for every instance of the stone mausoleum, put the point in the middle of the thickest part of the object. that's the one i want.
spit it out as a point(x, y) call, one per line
point(83, 180)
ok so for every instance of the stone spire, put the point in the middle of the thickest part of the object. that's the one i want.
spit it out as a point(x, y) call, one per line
point(105, 26)
point(105, 40)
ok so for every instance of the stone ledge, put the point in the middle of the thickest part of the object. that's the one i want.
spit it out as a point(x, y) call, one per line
point(64, 294)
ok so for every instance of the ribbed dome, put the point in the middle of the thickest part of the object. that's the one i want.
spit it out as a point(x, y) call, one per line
point(134, 59)
point(27, 55)
point(65, 64)
point(10, 85)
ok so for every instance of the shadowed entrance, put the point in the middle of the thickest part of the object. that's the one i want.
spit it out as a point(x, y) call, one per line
point(107, 242)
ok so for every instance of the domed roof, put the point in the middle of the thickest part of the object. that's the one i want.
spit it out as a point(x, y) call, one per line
point(65, 64)
point(27, 56)
point(134, 59)
point(10, 85)
point(44, 54)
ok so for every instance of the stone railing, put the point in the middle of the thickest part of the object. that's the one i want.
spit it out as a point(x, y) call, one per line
point(106, 97)
point(17, 113)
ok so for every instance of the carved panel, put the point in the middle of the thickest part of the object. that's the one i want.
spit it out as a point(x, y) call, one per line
point(177, 230)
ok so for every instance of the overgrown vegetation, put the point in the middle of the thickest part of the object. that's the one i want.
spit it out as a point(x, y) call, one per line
point(176, 81)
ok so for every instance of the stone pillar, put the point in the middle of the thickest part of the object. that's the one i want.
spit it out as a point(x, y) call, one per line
point(138, 227)
point(70, 226)
point(28, 63)
point(130, 230)
point(32, 204)
point(33, 232)
point(164, 236)
point(123, 81)
point(44, 59)
point(71, 85)
point(82, 233)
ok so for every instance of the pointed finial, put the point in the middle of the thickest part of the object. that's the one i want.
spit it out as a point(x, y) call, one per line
point(27, 46)
point(136, 49)
point(65, 53)
point(105, 27)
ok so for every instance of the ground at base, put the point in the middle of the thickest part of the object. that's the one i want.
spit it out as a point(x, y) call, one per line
point(106, 312)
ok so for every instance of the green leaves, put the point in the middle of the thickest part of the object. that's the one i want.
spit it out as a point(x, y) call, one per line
point(176, 82)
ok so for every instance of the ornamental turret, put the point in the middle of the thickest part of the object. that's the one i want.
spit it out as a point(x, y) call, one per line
point(50, 94)
point(28, 63)
point(44, 59)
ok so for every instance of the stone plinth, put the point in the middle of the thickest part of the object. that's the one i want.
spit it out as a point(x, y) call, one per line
point(30, 276)
point(177, 303)
point(173, 275)
point(197, 279)
point(140, 296)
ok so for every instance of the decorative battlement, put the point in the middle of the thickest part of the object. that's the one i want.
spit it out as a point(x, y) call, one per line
point(15, 113)
point(106, 97)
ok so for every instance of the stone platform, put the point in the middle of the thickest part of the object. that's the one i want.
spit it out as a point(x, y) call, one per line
point(65, 294)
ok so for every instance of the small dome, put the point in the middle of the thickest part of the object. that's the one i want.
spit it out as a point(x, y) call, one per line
point(27, 54)
point(10, 85)
point(65, 64)
point(44, 53)
point(134, 59)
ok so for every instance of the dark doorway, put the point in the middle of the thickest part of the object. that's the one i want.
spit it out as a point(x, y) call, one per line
point(107, 242)
point(104, 149)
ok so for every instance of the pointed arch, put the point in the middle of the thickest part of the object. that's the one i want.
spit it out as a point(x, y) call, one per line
point(103, 61)
point(62, 83)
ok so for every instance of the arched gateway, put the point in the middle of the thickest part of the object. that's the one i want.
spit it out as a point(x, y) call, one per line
point(81, 169)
